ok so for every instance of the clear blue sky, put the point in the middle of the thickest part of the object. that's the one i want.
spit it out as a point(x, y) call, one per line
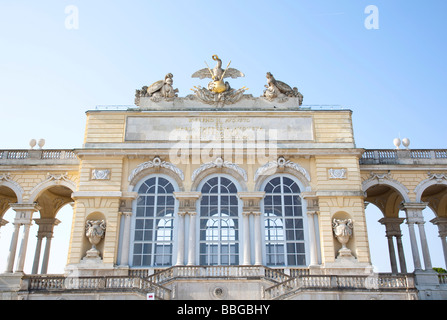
point(393, 79)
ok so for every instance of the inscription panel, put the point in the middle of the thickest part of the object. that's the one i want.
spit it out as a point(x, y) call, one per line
point(221, 128)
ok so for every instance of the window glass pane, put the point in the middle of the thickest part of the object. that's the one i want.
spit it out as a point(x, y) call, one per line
point(206, 188)
point(284, 238)
point(268, 188)
point(138, 235)
point(139, 223)
point(143, 188)
point(137, 260)
point(219, 223)
point(287, 189)
point(146, 260)
point(275, 181)
point(288, 200)
point(137, 248)
point(297, 211)
point(295, 188)
point(141, 201)
point(224, 200)
point(154, 223)
point(288, 211)
point(149, 212)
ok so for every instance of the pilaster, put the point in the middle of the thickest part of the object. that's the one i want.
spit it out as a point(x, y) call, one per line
point(187, 207)
point(252, 206)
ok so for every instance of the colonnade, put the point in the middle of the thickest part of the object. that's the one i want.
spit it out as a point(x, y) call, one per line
point(23, 218)
point(251, 220)
point(414, 217)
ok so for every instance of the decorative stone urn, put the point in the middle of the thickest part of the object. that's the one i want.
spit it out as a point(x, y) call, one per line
point(343, 232)
point(94, 231)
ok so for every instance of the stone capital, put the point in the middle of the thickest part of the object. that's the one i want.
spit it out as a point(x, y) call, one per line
point(313, 212)
point(24, 212)
point(126, 203)
point(252, 201)
point(392, 226)
point(187, 202)
point(441, 222)
point(413, 211)
point(46, 227)
point(3, 222)
point(126, 213)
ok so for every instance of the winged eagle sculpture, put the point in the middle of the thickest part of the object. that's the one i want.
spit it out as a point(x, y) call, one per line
point(218, 90)
point(218, 74)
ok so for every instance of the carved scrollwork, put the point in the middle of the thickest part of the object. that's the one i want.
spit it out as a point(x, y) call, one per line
point(219, 163)
point(271, 167)
point(157, 162)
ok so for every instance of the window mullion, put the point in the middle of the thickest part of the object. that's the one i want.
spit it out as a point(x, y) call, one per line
point(219, 223)
point(283, 218)
point(154, 223)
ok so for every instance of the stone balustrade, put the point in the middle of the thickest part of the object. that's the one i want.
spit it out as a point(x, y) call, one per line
point(404, 156)
point(40, 156)
point(52, 283)
point(333, 282)
point(285, 284)
point(275, 275)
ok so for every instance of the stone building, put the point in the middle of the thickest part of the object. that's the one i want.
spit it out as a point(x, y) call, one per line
point(222, 195)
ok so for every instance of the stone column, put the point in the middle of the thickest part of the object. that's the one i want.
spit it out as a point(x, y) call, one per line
point(125, 210)
point(414, 216)
point(23, 246)
point(181, 239)
point(400, 251)
point(24, 213)
point(252, 206)
point(13, 248)
point(313, 210)
point(442, 227)
point(46, 255)
point(258, 238)
point(247, 243)
point(392, 226)
point(46, 227)
point(187, 206)
point(192, 239)
point(37, 254)
point(125, 245)
point(312, 238)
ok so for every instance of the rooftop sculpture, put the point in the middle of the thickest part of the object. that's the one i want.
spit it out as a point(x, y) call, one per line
point(218, 92)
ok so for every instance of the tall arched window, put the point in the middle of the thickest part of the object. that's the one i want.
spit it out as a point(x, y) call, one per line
point(219, 223)
point(283, 223)
point(153, 227)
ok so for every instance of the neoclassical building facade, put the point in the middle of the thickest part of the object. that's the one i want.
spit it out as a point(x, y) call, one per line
point(221, 195)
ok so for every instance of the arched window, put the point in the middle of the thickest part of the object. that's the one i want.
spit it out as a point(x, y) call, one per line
point(283, 223)
point(219, 223)
point(154, 224)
